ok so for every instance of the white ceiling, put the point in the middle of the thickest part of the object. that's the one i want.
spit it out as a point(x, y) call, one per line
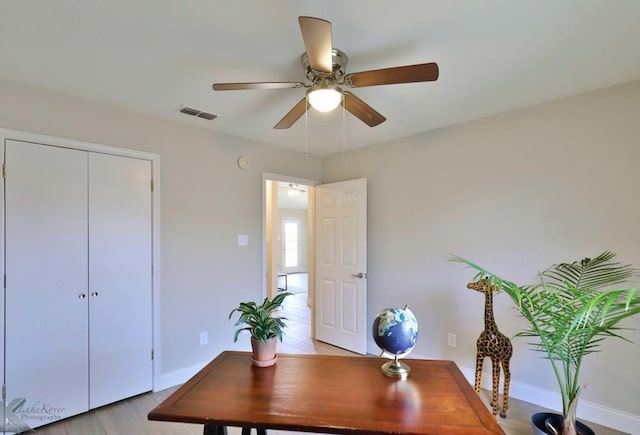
point(154, 56)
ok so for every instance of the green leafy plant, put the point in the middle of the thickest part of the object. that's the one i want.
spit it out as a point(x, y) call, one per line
point(570, 310)
point(261, 321)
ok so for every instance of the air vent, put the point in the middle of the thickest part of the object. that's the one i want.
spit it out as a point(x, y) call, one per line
point(197, 113)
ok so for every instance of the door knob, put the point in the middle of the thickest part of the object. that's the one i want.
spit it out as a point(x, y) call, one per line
point(94, 294)
point(357, 275)
point(82, 296)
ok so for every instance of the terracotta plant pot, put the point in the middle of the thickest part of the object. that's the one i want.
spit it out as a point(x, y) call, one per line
point(264, 354)
point(539, 422)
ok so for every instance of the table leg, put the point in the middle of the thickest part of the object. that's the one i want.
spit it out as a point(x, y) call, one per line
point(286, 284)
point(214, 430)
point(222, 430)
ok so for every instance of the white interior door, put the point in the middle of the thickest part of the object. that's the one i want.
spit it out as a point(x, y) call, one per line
point(46, 282)
point(120, 303)
point(341, 264)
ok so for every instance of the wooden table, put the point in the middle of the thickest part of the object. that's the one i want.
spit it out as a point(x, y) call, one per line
point(328, 394)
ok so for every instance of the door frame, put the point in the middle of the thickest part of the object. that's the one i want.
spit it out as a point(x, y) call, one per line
point(21, 136)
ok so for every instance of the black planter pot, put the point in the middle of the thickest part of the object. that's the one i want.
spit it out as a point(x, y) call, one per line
point(539, 422)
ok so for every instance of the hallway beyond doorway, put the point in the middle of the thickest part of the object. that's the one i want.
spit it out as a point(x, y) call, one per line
point(297, 283)
point(295, 308)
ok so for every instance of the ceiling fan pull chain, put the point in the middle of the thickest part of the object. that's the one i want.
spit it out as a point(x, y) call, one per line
point(306, 128)
point(344, 140)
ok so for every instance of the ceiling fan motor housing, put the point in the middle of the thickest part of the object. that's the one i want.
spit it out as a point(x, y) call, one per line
point(339, 60)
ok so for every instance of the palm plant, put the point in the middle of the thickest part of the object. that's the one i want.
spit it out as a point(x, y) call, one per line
point(261, 320)
point(570, 310)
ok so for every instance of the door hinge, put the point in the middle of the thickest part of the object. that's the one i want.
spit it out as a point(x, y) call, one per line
point(151, 354)
point(4, 393)
point(4, 170)
point(152, 185)
point(4, 281)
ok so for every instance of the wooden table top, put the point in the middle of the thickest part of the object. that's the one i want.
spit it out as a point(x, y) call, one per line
point(329, 394)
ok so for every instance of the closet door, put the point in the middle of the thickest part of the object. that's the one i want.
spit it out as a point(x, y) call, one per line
point(46, 272)
point(120, 305)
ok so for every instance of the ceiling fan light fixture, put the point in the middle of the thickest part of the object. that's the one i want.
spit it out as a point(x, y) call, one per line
point(324, 98)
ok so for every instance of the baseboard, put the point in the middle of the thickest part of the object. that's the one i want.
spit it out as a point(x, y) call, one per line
point(177, 377)
point(590, 411)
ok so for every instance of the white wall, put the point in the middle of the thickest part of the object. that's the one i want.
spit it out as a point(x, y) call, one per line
point(515, 193)
point(206, 202)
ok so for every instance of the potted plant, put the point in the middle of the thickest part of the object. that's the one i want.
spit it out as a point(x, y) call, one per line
point(570, 310)
point(265, 326)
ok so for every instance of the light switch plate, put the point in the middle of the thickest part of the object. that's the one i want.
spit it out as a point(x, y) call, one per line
point(243, 240)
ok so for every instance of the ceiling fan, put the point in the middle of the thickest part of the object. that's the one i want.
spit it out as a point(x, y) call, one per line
point(292, 189)
point(325, 67)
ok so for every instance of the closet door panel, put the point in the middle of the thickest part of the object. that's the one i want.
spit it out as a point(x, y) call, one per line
point(120, 305)
point(46, 268)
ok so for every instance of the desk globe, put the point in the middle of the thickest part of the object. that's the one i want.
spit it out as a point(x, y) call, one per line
point(395, 331)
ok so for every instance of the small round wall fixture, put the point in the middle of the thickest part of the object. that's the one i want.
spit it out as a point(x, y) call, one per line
point(395, 331)
point(243, 162)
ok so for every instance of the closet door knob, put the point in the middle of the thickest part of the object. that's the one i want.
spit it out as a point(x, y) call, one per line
point(82, 296)
point(94, 294)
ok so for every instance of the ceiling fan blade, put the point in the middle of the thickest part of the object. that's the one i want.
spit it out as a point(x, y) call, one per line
point(316, 34)
point(293, 115)
point(362, 110)
point(424, 72)
point(256, 85)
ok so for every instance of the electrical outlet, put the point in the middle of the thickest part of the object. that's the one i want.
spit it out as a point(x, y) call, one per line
point(204, 338)
point(451, 340)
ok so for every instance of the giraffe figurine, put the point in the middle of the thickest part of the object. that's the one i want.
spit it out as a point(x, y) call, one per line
point(495, 345)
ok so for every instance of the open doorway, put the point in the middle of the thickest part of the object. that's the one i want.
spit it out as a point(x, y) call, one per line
point(336, 309)
point(293, 210)
point(289, 250)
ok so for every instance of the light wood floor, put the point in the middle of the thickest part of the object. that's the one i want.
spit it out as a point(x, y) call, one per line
point(129, 417)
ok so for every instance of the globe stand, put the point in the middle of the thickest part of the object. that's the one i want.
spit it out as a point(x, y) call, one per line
point(396, 369)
